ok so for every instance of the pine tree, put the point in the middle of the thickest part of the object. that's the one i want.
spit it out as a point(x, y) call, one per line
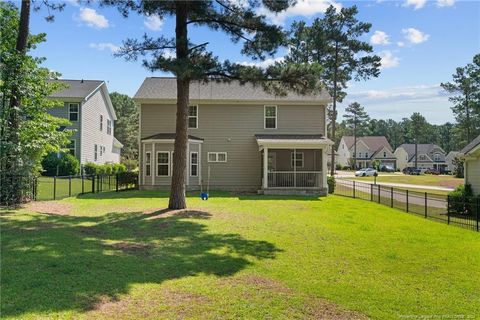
point(356, 117)
point(193, 62)
point(334, 43)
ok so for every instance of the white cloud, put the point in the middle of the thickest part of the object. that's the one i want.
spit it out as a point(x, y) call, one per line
point(262, 64)
point(92, 19)
point(379, 37)
point(388, 60)
point(304, 8)
point(105, 46)
point(417, 4)
point(73, 2)
point(415, 36)
point(153, 22)
point(401, 44)
point(445, 3)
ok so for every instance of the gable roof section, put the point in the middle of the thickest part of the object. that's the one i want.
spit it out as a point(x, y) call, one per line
point(471, 146)
point(83, 90)
point(159, 88)
point(373, 143)
point(421, 148)
point(168, 136)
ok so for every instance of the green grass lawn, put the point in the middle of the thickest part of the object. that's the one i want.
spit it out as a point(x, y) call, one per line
point(120, 255)
point(446, 181)
point(45, 187)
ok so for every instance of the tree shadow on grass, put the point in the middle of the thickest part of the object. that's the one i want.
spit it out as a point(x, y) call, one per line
point(212, 194)
point(57, 263)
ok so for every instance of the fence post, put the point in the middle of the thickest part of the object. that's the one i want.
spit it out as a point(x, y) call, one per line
point(478, 209)
point(54, 187)
point(371, 192)
point(353, 189)
point(116, 182)
point(69, 186)
point(83, 185)
point(378, 193)
point(98, 183)
point(391, 197)
point(109, 184)
point(426, 205)
point(93, 183)
point(407, 199)
point(448, 209)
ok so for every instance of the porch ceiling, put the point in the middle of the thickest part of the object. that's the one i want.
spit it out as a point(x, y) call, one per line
point(305, 141)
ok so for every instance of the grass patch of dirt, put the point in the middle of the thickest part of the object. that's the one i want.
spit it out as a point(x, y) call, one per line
point(50, 207)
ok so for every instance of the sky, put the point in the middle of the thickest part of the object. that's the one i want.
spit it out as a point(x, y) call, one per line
point(421, 43)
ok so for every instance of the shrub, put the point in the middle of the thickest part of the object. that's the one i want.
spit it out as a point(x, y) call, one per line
point(130, 164)
point(127, 179)
point(90, 168)
point(107, 168)
point(118, 168)
point(345, 168)
point(331, 184)
point(67, 164)
point(462, 200)
point(338, 166)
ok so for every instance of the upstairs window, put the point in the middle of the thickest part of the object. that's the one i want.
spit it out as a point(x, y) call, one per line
point(270, 114)
point(95, 152)
point(297, 159)
point(194, 164)
point(217, 157)
point(73, 112)
point(436, 157)
point(163, 163)
point(359, 154)
point(366, 154)
point(384, 154)
point(148, 164)
point(71, 147)
point(193, 117)
point(101, 122)
point(109, 126)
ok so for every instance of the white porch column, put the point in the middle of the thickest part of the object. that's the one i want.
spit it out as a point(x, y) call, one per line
point(324, 166)
point(153, 166)
point(265, 168)
point(295, 167)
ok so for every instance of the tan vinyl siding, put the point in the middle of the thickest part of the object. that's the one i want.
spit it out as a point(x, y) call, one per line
point(231, 129)
point(91, 134)
point(473, 174)
point(62, 112)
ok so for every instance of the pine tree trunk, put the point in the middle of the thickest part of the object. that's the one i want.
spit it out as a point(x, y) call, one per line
point(177, 193)
point(334, 115)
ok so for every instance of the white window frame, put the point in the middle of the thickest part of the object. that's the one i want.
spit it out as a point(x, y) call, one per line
point(270, 117)
point(196, 117)
point(74, 147)
point(95, 152)
point(436, 157)
point(101, 122)
point(216, 157)
point(193, 164)
point(366, 154)
point(149, 163)
point(292, 159)
point(101, 151)
point(74, 104)
point(109, 127)
point(384, 154)
point(168, 164)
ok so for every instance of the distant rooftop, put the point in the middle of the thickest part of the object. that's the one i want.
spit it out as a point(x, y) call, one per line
point(375, 143)
point(422, 148)
point(166, 89)
point(469, 147)
point(77, 88)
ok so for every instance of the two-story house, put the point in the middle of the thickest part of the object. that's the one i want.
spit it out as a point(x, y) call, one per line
point(369, 149)
point(87, 105)
point(240, 138)
point(471, 157)
point(430, 156)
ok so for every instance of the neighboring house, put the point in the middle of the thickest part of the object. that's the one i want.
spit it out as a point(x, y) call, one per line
point(369, 149)
point(240, 138)
point(430, 156)
point(88, 107)
point(449, 160)
point(471, 156)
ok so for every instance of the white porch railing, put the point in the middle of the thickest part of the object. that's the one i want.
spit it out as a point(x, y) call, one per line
point(292, 179)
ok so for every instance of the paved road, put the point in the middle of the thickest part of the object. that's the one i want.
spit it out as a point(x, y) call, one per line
point(385, 192)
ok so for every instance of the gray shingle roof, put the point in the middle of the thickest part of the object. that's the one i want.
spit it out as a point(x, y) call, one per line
point(469, 147)
point(77, 88)
point(374, 143)
point(166, 88)
point(166, 136)
point(421, 148)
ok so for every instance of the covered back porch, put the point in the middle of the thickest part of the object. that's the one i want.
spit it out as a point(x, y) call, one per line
point(293, 164)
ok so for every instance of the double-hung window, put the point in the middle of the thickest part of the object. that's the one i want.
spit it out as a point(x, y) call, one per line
point(109, 126)
point(95, 152)
point(270, 115)
point(73, 109)
point(148, 163)
point(217, 157)
point(297, 159)
point(71, 147)
point(194, 164)
point(101, 122)
point(163, 163)
point(193, 117)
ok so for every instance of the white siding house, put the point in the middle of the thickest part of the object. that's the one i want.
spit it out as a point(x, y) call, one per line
point(471, 156)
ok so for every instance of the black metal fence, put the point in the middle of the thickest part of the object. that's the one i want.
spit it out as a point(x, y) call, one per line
point(461, 212)
point(16, 189)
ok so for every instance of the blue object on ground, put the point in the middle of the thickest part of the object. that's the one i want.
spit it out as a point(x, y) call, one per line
point(204, 196)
